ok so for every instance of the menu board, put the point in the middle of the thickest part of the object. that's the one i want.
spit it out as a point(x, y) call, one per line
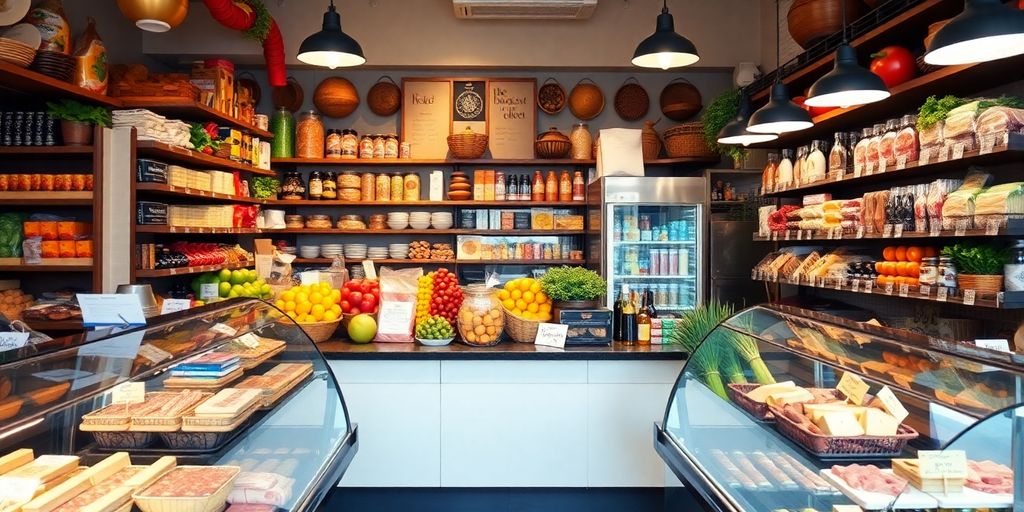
point(512, 126)
point(426, 107)
point(469, 106)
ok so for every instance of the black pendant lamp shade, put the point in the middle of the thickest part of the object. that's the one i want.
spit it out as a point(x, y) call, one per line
point(330, 47)
point(779, 115)
point(847, 84)
point(735, 132)
point(665, 48)
point(986, 30)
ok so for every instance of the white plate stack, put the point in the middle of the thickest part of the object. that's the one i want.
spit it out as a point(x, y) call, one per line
point(355, 251)
point(419, 220)
point(398, 251)
point(377, 253)
point(330, 250)
point(309, 251)
point(398, 220)
point(441, 220)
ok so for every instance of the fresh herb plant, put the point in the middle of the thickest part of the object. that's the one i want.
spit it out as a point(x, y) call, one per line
point(70, 110)
point(976, 259)
point(572, 283)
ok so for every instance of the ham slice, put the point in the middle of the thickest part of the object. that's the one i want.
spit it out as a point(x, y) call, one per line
point(871, 479)
point(989, 477)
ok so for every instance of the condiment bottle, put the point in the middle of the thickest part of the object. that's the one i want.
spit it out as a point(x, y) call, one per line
point(333, 144)
point(947, 274)
point(768, 174)
point(499, 186)
point(837, 155)
point(798, 165)
point(538, 186)
point(512, 188)
point(785, 169)
point(579, 187)
point(565, 187)
point(316, 186)
point(814, 162)
point(525, 189)
point(551, 187)
point(330, 186)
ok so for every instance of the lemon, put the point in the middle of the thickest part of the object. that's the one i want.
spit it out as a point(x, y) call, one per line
point(336, 309)
point(301, 297)
point(289, 306)
point(541, 297)
point(503, 294)
point(528, 296)
point(535, 288)
point(330, 316)
point(544, 307)
point(291, 314)
point(516, 295)
point(316, 297)
point(279, 303)
point(302, 308)
point(520, 304)
point(512, 285)
point(509, 303)
point(288, 296)
point(524, 285)
point(533, 307)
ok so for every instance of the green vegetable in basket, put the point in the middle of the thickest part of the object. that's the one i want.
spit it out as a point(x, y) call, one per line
point(265, 186)
point(572, 283)
point(11, 234)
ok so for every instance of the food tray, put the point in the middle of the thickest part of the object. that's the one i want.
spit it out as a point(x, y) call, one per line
point(193, 383)
point(217, 423)
point(163, 423)
point(845, 448)
point(910, 498)
point(213, 502)
point(199, 442)
point(760, 412)
point(113, 441)
point(250, 363)
point(98, 421)
point(268, 401)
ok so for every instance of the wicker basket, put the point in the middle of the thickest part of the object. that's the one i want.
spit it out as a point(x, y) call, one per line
point(759, 410)
point(552, 148)
point(651, 145)
point(320, 331)
point(467, 145)
point(687, 140)
point(838, 446)
point(981, 284)
point(520, 329)
point(210, 503)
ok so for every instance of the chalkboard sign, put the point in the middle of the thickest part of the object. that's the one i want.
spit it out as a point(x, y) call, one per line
point(469, 105)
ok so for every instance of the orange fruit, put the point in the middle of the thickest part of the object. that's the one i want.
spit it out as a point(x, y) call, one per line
point(901, 253)
point(913, 282)
point(914, 253)
point(882, 280)
point(889, 268)
point(879, 267)
point(929, 252)
point(913, 269)
point(901, 268)
point(889, 253)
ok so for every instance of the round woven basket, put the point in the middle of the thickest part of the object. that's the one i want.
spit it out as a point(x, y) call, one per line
point(586, 101)
point(467, 145)
point(981, 284)
point(385, 97)
point(680, 100)
point(519, 329)
point(320, 331)
point(551, 97)
point(687, 140)
point(335, 97)
point(552, 148)
point(631, 100)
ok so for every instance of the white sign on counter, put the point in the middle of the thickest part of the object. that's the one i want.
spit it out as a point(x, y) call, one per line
point(121, 309)
point(552, 335)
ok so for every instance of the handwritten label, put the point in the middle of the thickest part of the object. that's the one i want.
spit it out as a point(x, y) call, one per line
point(891, 404)
point(226, 330)
point(129, 393)
point(941, 293)
point(775, 236)
point(154, 353)
point(100, 309)
point(904, 290)
point(839, 284)
point(925, 157)
point(853, 387)
point(12, 340)
point(552, 335)
point(869, 286)
point(839, 233)
point(249, 340)
point(882, 164)
point(944, 154)
point(860, 232)
point(888, 288)
point(992, 228)
point(18, 490)
point(794, 279)
point(787, 235)
point(209, 291)
point(887, 231)
point(799, 234)
point(1000, 345)
point(870, 168)
point(935, 229)
point(830, 234)
point(961, 227)
point(969, 296)
point(369, 270)
point(857, 171)
point(987, 145)
point(175, 305)
point(944, 464)
point(958, 151)
point(901, 162)
point(855, 285)
point(897, 231)
point(925, 290)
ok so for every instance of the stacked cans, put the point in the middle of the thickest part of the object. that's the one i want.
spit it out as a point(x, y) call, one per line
point(27, 129)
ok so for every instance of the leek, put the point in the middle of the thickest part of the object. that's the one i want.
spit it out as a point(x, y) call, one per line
point(704, 364)
point(731, 368)
point(746, 347)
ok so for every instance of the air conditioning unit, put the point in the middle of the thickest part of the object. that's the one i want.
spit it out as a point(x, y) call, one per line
point(524, 9)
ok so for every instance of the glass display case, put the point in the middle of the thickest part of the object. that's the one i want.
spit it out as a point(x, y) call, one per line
point(803, 444)
point(236, 384)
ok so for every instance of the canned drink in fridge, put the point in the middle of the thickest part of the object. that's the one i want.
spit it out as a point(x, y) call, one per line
point(666, 267)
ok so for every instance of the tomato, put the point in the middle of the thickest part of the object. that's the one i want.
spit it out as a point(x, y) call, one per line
point(371, 298)
point(365, 287)
point(366, 306)
point(355, 311)
point(894, 64)
point(355, 297)
point(346, 306)
point(345, 293)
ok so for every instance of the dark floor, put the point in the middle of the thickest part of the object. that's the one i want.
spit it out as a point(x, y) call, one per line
point(508, 500)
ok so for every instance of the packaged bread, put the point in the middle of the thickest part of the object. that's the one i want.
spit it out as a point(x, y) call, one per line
point(999, 120)
point(994, 205)
point(959, 125)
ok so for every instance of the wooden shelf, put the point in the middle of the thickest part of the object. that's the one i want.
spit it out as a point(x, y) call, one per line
point(936, 163)
point(395, 162)
point(328, 261)
point(183, 271)
point(161, 151)
point(1015, 228)
point(162, 189)
point(453, 231)
point(29, 82)
point(195, 231)
point(48, 265)
point(390, 204)
point(46, 151)
point(1005, 300)
point(40, 198)
point(187, 109)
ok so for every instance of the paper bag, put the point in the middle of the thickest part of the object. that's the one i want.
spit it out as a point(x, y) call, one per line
point(620, 153)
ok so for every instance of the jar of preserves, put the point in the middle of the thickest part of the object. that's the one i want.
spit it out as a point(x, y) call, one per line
point(333, 148)
point(481, 319)
point(947, 273)
point(397, 187)
point(383, 188)
point(316, 186)
point(565, 187)
point(292, 186)
point(379, 145)
point(309, 136)
point(330, 186)
point(412, 187)
point(405, 150)
point(582, 142)
point(390, 146)
point(929, 271)
point(366, 147)
point(283, 127)
point(367, 189)
point(1013, 269)
point(349, 144)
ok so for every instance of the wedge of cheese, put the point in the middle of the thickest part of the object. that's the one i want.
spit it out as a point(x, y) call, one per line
point(877, 422)
point(149, 475)
point(761, 393)
point(840, 423)
point(795, 396)
point(45, 468)
point(15, 460)
point(78, 484)
point(815, 411)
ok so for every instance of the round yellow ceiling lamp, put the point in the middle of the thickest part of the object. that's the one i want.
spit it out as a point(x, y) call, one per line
point(154, 15)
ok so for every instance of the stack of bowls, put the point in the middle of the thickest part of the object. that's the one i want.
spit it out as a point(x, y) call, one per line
point(355, 251)
point(441, 220)
point(146, 297)
point(398, 251)
point(289, 250)
point(377, 253)
point(309, 251)
point(54, 64)
point(419, 220)
point(330, 250)
point(356, 272)
point(398, 220)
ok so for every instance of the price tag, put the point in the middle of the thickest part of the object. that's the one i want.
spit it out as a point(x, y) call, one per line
point(941, 293)
point(209, 291)
point(787, 235)
point(12, 340)
point(830, 234)
point(154, 353)
point(249, 339)
point(839, 233)
point(882, 165)
point(857, 170)
point(370, 271)
point(925, 157)
point(855, 285)
point(901, 162)
point(944, 153)
point(999, 345)
point(110, 309)
point(869, 286)
point(839, 284)
point(129, 393)
point(226, 330)
point(870, 168)
point(961, 227)
point(969, 296)
point(925, 290)
point(891, 404)
point(175, 305)
point(935, 229)
point(904, 290)
point(958, 151)
point(309, 277)
point(860, 232)
point(853, 387)
point(551, 335)
point(794, 280)
point(987, 145)
point(887, 231)
point(897, 230)
point(992, 228)
point(753, 275)
point(888, 288)
point(944, 464)
point(775, 236)
point(840, 174)
point(799, 234)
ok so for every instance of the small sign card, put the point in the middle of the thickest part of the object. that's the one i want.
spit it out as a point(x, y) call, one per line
point(249, 340)
point(129, 393)
point(309, 277)
point(226, 330)
point(853, 387)
point(12, 340)
point(209, 291)
point(552, 335)
point(175, 305)
point(103, 309)
point(1000, 345)
point(891, 404)
point(944, 464)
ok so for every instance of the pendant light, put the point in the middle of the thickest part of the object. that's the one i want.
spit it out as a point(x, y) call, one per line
point(986, 30)
point(665, 48)
point(779, 115)
point(848, 83)
point(735, 132)
point(330, 47)
point(154, 15)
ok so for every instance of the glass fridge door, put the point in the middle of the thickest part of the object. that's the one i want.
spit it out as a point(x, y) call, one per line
point(656, 247)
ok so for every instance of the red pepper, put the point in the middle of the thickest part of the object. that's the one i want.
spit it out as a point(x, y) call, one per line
point(208, 150)
point(211, 128)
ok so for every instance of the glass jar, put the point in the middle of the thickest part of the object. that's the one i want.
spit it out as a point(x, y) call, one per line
point(579, 187)
point(860, 151)
point(582, 142)
point(481, 318)
point(330, 186)
point(784, 172)
point(383, 188)
point(768, 173)
point(309, 136)
point(283, 127)
point(379, 147)
point(929, 271)
point(837, 155)
point(412, 187)
point(349, 144)
point(397, 187)
point(333, 144)
point(947, 273)
point(316, 186)
point(1013, 269)
point(390, 146)
point(366, 147)
point(814, 166)
point(367, 187)
point(886, 145)
point(292, 186)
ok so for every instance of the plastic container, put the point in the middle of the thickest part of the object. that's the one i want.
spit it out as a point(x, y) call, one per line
point(309, 136)
point(481, 318)
point(283, 127)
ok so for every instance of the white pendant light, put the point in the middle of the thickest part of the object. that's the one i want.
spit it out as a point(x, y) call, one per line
point(665, 48)
point(331, 47)
point(736, 132)
point(780, 115)
point(986, 30)
point(848, 83)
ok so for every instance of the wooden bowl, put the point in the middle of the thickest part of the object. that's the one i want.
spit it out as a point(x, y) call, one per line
point(336, 97)
point(586, 101)
point(810, 21)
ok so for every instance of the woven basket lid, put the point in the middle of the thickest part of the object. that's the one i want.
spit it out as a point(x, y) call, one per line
point(385, 97)
point(336, 97)
point(680, 100)
point(632, 101)
point(586, 101)
point(289, 96)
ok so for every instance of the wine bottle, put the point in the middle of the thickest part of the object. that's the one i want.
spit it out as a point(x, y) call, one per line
point(617, 317)
point(629, 327)
point(643, 322)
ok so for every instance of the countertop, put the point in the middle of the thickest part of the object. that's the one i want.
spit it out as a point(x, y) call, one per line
point(505, 351)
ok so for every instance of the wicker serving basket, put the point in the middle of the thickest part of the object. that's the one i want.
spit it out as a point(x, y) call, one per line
point(467, 145)
point(320, 331)
point(687, 140)
point(651, 145)
point(520, 329)
point(552, 148)
point(759, 410)
point(981, 284)
point(838, 446)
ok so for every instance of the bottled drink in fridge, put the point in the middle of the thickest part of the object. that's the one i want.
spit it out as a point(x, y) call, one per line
point(629, 327)
point(643, 322)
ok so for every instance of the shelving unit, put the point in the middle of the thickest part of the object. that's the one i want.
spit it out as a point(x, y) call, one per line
point(160, 189)
point(173, 154)
point(40, 198)
point(182, 271)
point(391, 261)
point(425, 204)
point(47, 265)
point(454, 231)
point(1014, 228)
point(187, 109)
point(404, 162)
point(1004, 300)
point(28, 82)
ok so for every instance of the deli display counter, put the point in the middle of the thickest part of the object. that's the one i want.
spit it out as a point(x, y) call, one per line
point(223, 405)
point(781, 408)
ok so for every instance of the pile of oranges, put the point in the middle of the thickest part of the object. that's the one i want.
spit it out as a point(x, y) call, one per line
point(902, 264)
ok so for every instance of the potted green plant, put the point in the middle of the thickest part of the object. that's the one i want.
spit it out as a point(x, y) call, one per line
point(572, 288)
point(77, 120)
point(722, 110)
point(979, 267)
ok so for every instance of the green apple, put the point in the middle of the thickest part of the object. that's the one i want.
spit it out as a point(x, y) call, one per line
point(265, 289)
point(224, 289)
point(259, 283)
point(224, 276)
point(233, 294)
point(252, 275)
point(237, 277)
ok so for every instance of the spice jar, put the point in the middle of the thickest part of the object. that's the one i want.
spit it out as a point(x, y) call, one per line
point(397, 187)
point(412, 187)
point(368, 186)
point(947, 273)
point(330, 186)
point(333, 144)
point(837, 155)
point(390, 146)
point(582, 142)
point(379, 145)
point(349, 144)
point(366, 147)
point(929, 271)
point(283, 127)
point(309, 136)
point(481, 319)
point(316, 186)
point(383, 188)
point(292, 186)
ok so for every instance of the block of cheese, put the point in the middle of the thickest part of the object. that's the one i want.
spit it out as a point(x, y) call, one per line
point(795, 396)
point(815, 411)
point(840, 423)
point(44, 468)
point(78, 483)
point(228, 402)
point(761, 393)
point(15, 459)
point(877, 422)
